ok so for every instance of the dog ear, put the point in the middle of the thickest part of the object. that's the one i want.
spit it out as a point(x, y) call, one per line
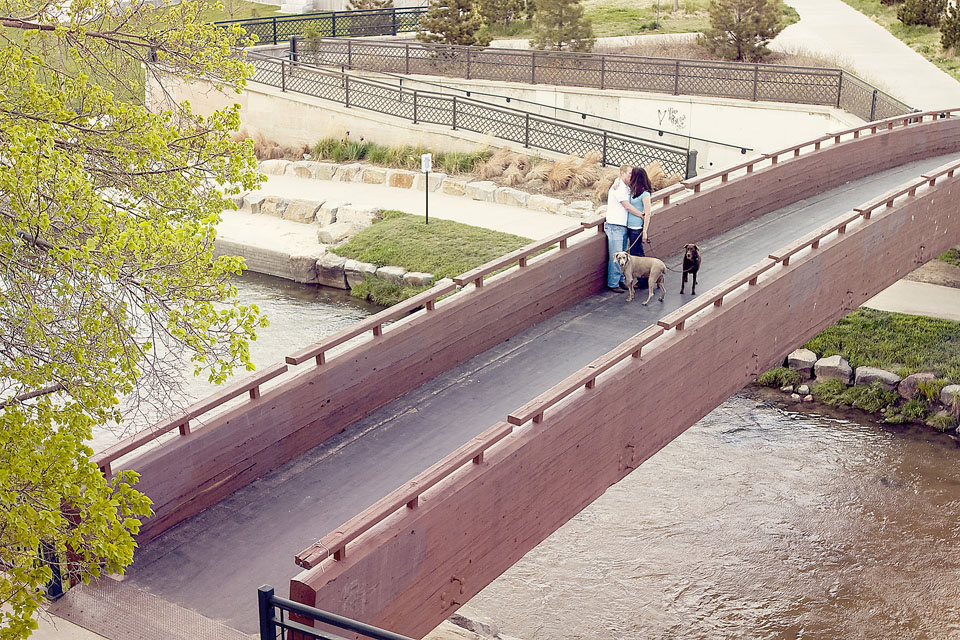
point(686, 246)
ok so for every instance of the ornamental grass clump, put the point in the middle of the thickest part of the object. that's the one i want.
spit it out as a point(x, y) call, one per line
point(779, 377)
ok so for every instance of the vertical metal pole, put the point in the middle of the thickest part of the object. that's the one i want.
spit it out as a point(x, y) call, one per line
point(873, 106)
point(264, 596)
point(293, 48)
point(394, 21)
point(349, 53)
point(274, 31)
point(468, 63)
point(414, 106)
point(839, 87)
point(603, 68)
point(333, 24)
point(526, 131)
point(676, 80)
point(48, 553)
point(426, 197)
point(454, 113)
point(346, 91)
point(603, 159)
point(407, 59)
point(756, 79)
point(533, 68)
point(283, 75)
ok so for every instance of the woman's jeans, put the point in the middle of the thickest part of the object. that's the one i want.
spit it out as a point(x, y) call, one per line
point(632, 239)
point(616, 242)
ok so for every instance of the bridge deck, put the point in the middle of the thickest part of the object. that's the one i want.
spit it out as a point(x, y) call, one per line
point(214, 562)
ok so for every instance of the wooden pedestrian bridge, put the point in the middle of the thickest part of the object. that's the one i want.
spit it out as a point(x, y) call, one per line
point(393, 470)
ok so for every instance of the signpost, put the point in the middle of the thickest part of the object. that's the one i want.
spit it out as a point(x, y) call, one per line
point(426, 164)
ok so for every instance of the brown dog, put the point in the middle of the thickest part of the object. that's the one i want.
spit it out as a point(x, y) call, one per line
point(691, 264)
point(636, 267)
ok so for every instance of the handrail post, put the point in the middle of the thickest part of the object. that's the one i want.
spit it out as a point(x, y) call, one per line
point(839, 87)
point(414, 106)
point(407, 59)
point(526, 131)
point(756, 79)
point(676, 79)
point(468, 63)
point(283, 75)
point(274, 30)
point(264, 596)
point(603, 157)
point(346, 91)
point(349, 53)
point(873, 106)
point(533, 67)
point(394, 14)
point(603, 68)
point(333, 24)
point(454, 113)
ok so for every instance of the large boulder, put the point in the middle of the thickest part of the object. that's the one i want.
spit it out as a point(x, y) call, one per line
point(866, 376)
point(400, 178)
point(330, 271)
point(418, 279)
point(357, 215)
point(833, 367)
point(802, 360)
point(482, 190)
point(454, 187)
point(303, 269)
point(909, 386)
point(254, 201)
point(274, 206)
point(374, 175)
point(948, 392)
point(336, 232)
point(539, 202)
point(301, 211)
point(356, 271)
point(510, 196)
point(274, 167)
point(393, 274)
point(436, 179)
point(312, 169)
point(327, 213)
point(578, 209)
point(347, 172)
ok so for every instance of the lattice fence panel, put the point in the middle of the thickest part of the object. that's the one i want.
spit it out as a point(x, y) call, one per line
point(435, 109)
point(262, 29)
point(318, 84)
point(563, 138)
point(504, 66)
point(322, 25)
point(380, 98)
point(621, 150)
point(438, 62)
point(794, 85)
point(888, 107)
point(580, 71)
point(326, 53)
point(479, 118)
point(856, 96)
point(373, 58)
point(267, 72)
point(639, 75)
point(716, 80)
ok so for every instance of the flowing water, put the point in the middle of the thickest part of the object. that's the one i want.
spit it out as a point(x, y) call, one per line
point(758, 522)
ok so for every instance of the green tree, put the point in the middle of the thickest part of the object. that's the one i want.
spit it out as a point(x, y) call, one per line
point(108, 284)
point(369, 4)
point(561, 24)
point(452, 22)
point(741, 29)
point(501, 12)
point(950, 27)
point(925, 12)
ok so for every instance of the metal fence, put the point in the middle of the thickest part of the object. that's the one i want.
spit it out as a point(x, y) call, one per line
point(532, 130)
point(745, 81)
point(332, 24)
point(276, 622)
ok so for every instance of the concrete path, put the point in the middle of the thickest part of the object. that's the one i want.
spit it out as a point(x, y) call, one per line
point(267, 522)
point(919, 299)
point(831, 27)
point(499, 217)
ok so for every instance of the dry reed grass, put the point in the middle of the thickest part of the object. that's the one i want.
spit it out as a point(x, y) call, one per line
point(265, 149)
point(498, 163)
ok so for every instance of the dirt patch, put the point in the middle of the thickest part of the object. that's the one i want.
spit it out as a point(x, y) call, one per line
point(937, 272)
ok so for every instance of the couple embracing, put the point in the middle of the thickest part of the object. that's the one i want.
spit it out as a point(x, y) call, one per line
point(628, 219)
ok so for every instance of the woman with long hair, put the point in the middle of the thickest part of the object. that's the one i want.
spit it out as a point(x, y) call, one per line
point(639, 225)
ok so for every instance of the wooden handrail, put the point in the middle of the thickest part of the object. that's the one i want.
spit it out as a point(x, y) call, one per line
point(585, 377)
point(723, 174)
point(676, 319)
point(666, 193)
point(409, 494)
point(521, 255)
point(813, 238)
point(947, 169)
point(867, 209)
point(375, 323)
point(182, 419)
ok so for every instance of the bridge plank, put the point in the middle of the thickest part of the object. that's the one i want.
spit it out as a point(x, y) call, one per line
point(334, 543)
point(195, 410)
point(515, 256)
point(391, 313)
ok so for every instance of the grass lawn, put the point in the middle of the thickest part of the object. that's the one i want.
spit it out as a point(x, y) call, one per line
point(443, 248)
point(628, 17)
point(923, 40)
point(896, 342)
point(951, 256)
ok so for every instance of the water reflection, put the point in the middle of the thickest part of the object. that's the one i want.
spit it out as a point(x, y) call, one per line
point(759, 522)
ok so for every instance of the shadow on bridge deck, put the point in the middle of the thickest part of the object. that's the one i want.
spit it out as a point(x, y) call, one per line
point(215, 561)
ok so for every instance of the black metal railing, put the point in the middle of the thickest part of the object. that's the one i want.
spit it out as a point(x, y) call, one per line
point(739, 80)
point(533, 131)
point(332, 24)
point(276, 622)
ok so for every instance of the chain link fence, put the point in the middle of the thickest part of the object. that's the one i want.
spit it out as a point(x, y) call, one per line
point(744, 81)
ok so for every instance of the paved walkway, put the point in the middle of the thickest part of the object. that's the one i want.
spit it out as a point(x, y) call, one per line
point(831, 27)
point(919, 299)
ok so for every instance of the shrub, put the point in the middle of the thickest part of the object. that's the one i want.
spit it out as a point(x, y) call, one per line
point(830, 392)
point(779, 377)
point(872, 399)
point(942, 422)
point(890, 1)
point(951, 256)
point(741, 29)
point(930, 389)
point(916, 409)
point(926, 12)
point(950, 39)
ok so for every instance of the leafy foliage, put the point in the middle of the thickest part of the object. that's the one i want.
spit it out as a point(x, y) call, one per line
point(950, 39)
point(741, 29)
point(951, 256)
point(930, 390)
point(779, 377)
point(925, 12)
point(406, 157)
point(830, 392)
point(452, 22)
point(502, 12)
point(561, 25)
point(108, 282)
point(363, 5)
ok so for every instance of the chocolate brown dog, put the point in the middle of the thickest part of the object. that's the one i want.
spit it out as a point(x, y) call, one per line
point(691, 264)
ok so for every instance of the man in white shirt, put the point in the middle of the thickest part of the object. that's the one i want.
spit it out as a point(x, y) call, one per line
point(618, 202)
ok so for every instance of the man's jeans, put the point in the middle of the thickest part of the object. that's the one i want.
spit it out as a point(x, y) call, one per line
point(616, 242)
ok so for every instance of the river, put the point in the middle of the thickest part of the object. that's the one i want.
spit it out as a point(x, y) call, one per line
point(758, 522)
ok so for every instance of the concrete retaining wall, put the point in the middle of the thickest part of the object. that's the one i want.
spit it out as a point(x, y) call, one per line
point(419, 566)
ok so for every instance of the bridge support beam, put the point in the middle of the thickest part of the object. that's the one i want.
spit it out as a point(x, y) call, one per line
point(417, 567)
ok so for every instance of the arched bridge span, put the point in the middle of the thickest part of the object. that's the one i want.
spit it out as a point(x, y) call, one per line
point(412, 558)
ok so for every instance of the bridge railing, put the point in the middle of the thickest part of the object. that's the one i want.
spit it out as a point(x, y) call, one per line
point(334, 545)
point(332, 24)
point(532, 130)
point(739, 80)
